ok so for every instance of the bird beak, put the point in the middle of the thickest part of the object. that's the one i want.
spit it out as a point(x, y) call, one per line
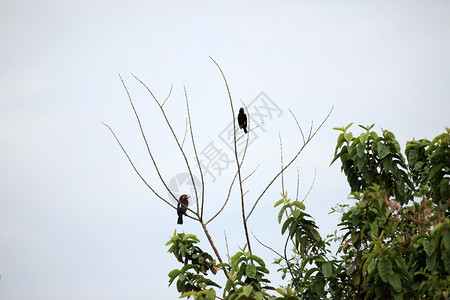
point(187, 196)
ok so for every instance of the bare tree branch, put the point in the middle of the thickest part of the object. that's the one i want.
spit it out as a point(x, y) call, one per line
point(311, 186)
point(170, 92)
point(185, 133)
point(146, 142)
point(298, 184)
point(251, 173)
point(134, 167)
point(298, 125)
point(290, 162)
point(226, 243)
point(281, 162)
point(244, 221)
point(265, 246)
point(175, 137)
point(196, 155)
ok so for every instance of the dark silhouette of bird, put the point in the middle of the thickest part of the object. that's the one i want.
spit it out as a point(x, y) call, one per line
point(242, 119)
point(182, 207)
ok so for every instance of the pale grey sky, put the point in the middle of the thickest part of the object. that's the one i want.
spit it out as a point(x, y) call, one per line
point(77, 223)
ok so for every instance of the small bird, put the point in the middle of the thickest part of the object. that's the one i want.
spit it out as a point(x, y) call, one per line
point(182, 207)
point(242, 119)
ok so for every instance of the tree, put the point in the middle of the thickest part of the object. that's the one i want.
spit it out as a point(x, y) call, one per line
point(183, 245)
point(394, 242)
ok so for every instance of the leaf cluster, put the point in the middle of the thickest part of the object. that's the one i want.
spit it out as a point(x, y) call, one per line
point(183, 247)
point(394, 242)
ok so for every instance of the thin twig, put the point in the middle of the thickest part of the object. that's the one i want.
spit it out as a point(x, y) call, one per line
point(312, 184)
point(185, 133)
point(196, 155)
point(134, 167)
point(226, 244)
point(298, 125)
point(170, 92)
point(147, 144)
point(248, 131)
point(285, 256)
point(265, 246)
point(250, 173)
point(298, 184)
point(310, 130)
point(281, 162)
point(175, 137)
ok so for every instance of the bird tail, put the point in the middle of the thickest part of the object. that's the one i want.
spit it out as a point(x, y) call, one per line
point(245, 130)
point(180, 219)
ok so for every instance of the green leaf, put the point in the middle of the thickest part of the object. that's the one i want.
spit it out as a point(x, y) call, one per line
point(395, 282)
point(251, 271)
point(292, 229)
point(286, 224)
point(355, 237)
point(310, 271)
point(348, 137)
point(296, 214)
point(299, 205)
point(348, 126)
point(315, 234)
point(247, 290)
point(236, 257)
point(374, 228)
point(258, 260)
point(372, 266)
point(444, 188)
point(360, 151)
point(278, 202)
point(351, 269)
point(435, 170)
point(363, 138)
point(280, 214)
point(428, 247)
point(412, 156)
point(431, 262)
point(173, 274)
point(327, 269)
point(188, 294)
point(383, 150)
point(447, 239)
point(385, 269)
point(188, 266)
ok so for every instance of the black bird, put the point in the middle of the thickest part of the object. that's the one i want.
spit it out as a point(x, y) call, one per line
point(182, 207)
point(242, 119)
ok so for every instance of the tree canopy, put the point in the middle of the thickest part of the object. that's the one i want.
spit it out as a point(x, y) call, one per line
point(394, 242)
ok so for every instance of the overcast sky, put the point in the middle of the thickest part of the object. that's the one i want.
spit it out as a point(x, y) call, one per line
point(76, 222)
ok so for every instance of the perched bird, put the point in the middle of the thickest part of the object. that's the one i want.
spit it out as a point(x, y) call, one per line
point(242, 119)
point(182, 207)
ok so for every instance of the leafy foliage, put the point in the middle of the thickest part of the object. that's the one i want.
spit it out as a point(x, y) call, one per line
point(188, 283)
point(394, 242)
point(246, 277)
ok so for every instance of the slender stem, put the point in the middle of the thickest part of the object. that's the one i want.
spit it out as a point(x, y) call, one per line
point(196, 154)
point(298, 184)
point(265, 246)
point(281, 162)
point(311, 186)
point(290, 162)
point(244, 221)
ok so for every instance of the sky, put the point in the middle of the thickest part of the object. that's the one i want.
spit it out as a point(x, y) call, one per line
point(76, 222)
